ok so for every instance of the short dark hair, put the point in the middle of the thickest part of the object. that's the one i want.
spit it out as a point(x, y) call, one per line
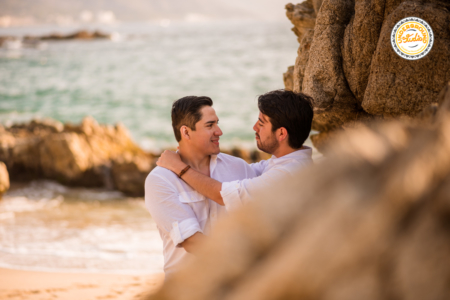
point(293, 111)
point(186, 111)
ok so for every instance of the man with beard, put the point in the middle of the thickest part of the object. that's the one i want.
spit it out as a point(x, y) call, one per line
point(282, 127)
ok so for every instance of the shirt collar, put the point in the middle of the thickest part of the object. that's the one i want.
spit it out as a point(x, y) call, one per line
point(213, 162)
point(298, 154)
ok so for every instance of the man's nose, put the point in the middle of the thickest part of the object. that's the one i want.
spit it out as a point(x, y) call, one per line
point(255, 127)
point(218, 131)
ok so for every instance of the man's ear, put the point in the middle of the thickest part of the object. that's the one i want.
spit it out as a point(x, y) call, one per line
point(184, 131)
point(282, 134)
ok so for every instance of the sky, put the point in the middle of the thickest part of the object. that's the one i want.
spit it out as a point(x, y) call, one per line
point(48, 11)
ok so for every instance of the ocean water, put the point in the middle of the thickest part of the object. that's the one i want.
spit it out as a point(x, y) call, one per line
point(132, 79)
point(135, 77)
point(49, 227)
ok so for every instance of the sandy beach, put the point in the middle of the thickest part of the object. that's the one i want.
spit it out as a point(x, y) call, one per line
point(31, 285)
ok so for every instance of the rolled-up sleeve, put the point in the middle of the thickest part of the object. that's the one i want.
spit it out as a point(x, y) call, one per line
point(184, 229)
point(240, 192)
point(230, 195)
point(169, 214)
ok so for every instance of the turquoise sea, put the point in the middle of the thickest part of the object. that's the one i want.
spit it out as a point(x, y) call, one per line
point(135, 77)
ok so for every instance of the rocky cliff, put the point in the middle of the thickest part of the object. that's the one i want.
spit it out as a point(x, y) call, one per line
point(347, 64)
point(87, 154)
point(370, 221)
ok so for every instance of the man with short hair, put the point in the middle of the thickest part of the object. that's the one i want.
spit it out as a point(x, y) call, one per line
point(282, 127)
point(182, 215)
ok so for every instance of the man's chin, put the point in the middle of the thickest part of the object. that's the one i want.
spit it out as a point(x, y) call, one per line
point(265, 150)
point(215, 151)
point(261, 148)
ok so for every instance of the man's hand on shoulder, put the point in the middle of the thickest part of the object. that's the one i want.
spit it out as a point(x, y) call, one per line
point(203, 184)
point(172, 161)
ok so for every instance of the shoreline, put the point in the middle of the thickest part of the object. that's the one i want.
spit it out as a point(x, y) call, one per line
point(33, 285)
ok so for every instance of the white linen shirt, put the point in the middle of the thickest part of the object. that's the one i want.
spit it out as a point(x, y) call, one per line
point(179, 211)
point(237, 193)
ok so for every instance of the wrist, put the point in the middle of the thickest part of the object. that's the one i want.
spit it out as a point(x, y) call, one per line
point(179, 167)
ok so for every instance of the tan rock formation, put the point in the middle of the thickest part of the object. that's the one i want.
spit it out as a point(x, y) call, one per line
point(75, 154)
point(349, 67)
point(66, 157)
point(303, 16)
point(288, 79)
point(400, 87)
point(4, 179)
point(82, 35)
point(129, 173)
point(368, 222)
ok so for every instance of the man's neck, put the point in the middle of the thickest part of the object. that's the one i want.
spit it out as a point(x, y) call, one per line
point(196, 160)
point(282, 151)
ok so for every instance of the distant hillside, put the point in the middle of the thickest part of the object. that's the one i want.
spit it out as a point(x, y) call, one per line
point(134, 10)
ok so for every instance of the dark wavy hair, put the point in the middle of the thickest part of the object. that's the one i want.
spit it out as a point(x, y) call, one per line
point(293, 111)
point(186, 111)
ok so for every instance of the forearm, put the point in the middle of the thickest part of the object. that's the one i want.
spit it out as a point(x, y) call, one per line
point(192, 243)
point(205, 185)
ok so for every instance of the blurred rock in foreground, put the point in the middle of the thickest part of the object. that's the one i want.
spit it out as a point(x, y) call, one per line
point(87, 154)
point(371, 221)
point(4, 179)
point(346, 62)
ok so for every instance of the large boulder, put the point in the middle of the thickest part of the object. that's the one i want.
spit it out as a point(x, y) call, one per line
point(129, 173)
point(82, 154)
point(4, 179)
point(397, 86)
point(350, 69)
point(370, 221)
point(66, 157)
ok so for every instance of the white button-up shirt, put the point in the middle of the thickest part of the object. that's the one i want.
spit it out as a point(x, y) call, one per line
point(238, 192)
point(179, 211)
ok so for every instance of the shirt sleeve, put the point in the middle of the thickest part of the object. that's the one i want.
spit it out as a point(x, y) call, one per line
point(258, 167)
point(237, 193)
point(172, 216)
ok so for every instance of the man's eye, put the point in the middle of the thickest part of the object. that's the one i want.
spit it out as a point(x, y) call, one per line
point(260, 124)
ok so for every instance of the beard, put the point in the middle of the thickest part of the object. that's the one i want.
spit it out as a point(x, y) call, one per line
point(270, 145)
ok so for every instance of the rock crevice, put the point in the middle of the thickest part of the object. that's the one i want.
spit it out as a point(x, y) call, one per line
point(346, 62)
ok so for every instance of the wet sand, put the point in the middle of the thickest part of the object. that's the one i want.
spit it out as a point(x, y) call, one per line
point(31, 285)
